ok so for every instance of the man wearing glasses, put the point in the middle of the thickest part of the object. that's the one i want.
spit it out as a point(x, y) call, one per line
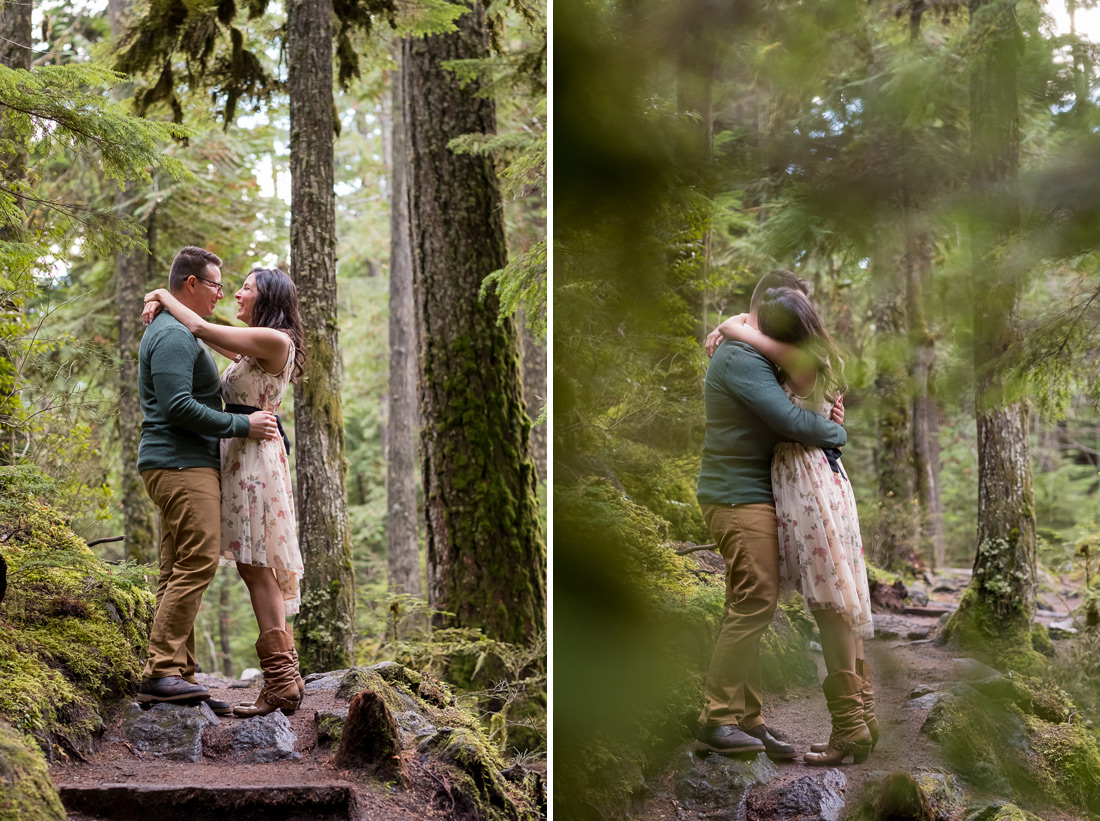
point(179, 460)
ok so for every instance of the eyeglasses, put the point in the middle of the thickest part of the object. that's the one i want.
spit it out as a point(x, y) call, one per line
point(217, 285)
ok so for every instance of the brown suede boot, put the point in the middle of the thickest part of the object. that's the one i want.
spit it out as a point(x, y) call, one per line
point(280, 690)
point(298, 673)
point(869, 719)
point(850, 736)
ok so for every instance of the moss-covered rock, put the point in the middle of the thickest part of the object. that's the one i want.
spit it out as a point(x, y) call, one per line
point(1005, 644)
point(999, 812)
point(1013, 737)
point(73, 631)
point(26, 792)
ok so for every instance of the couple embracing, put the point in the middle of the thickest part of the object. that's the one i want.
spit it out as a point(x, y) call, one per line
point(779, 505)
point(220, 475)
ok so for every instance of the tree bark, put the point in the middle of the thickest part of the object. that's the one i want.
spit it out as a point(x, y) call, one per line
point(1004, 568)
point(132, 274)
point(326, 625)
point(896, 534)
point(403, 547)
point(925, 413)
point(486, 555)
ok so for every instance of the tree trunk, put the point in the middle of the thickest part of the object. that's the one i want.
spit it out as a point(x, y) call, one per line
point(1002, 589)
point(403, 547)
point(15, 52)
point(896, 533)
point(486, 555)
point(132, 271)
point(326, 626)
point(922, 359)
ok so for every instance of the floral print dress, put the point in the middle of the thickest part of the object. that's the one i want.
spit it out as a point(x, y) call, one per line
point(820, 548)
point(258, 522)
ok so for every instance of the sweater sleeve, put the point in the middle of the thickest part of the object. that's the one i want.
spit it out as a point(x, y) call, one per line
point(752, 380)
point(171, 364)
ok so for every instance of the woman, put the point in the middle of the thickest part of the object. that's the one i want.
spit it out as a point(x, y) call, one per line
point(258, 522)
point(821, 551)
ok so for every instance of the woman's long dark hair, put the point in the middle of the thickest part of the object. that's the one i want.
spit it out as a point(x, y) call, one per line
point(787, 315)
point(276, 306)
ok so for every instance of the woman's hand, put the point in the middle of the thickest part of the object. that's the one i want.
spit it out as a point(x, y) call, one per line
point(837, 412)
point(730, 329)
point(153, 306)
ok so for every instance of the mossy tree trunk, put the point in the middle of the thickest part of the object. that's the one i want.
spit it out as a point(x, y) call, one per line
point(15, 52)
point(1001, 598)
point(534, 391)
point(896, 532)
point(925, 415)
point(325, 626)
point(403, 546)
point(133, 272)
point(486, 555)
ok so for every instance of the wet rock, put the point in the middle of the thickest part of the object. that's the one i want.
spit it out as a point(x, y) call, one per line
point(925, 702)
point(325, 681)
point(1062, 629)
point(414, 724)
point(330, 725)
point(818, 797)
point(717, 784)
point(919, 690)
point(171, 731)
point(261, 739)
point(918, 593)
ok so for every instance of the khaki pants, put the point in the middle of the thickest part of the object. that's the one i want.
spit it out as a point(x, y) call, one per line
point(190, 509)
point(747, 536)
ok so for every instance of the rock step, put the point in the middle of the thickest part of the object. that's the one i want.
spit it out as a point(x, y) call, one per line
point(139, 802)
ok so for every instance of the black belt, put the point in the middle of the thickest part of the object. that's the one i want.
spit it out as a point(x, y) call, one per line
point(247, 409)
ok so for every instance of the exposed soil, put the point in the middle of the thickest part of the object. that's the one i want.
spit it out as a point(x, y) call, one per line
point(903, 658)
point(117, 763)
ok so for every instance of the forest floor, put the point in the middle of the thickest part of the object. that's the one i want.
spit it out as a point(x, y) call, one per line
point(905, 661)
point(220, 787)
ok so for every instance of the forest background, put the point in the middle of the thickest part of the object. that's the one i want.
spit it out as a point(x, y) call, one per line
point(107, 175)
point(931, 169)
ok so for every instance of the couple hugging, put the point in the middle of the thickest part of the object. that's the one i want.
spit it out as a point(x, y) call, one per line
point(779, 505)
point(220, 476)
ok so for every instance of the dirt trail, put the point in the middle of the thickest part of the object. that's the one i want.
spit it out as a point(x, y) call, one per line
point(902, 658)
point(216, 786)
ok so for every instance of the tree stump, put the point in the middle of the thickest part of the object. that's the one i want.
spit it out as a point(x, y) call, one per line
point(370, 739)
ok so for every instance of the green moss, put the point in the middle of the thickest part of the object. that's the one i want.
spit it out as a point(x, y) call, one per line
point(1040, 640)
point(1000, 812)
point(1004, 643)
point(73, 631)
point(26, 792)
point(1069, 763)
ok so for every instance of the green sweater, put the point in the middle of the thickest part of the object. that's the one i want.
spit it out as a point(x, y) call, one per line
point(181, 400)
point(747, 415)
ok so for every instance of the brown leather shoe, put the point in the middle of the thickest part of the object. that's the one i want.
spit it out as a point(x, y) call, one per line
point(774, 744)
point(170, 689)
point(728, 738)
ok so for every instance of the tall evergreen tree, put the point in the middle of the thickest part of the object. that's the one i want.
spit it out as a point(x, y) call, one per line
point(326, 625)
point(486, 555)
point(1000, 601)
point(131, 277)
point(402, 544)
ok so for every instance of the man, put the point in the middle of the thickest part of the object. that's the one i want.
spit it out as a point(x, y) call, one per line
point(179, 460)
point(747, 414)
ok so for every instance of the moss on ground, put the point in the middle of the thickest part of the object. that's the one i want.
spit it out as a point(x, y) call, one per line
point(1004, 644)
point(1016, 736)
point(26, 792)
point(73, 631)
point(635, 634)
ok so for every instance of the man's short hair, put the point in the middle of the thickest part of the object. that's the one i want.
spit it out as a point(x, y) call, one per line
point(190, 262)
point(778, 278)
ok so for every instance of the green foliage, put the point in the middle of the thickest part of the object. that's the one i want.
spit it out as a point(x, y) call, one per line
point(73, 631)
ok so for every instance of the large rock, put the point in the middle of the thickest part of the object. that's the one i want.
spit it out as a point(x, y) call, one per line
point(171, 731)
point(818, 797)
point(717, 784)
point(261, 739)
